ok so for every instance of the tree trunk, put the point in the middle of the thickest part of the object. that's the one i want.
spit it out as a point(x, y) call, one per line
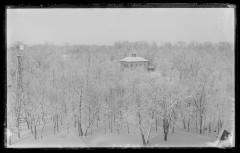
point(54, 125)
point(188, 124)
point(28, 124)
point(80, 132)
point(200, 124)
point(42, 129)
point(173, 129)
point(75, 121)
point(98, 119)
point(141, 131)
point(165, 136)
point(18, 127)
point(173, 126)
point(89, 115)
point(149, 132)
point(209, 127)
point(57, 123)
point(111, 126)
point(61, 120)
point(196, 123)
point(35, 132)
point(118, 126)
point(219, 125)
point(114, 121)
point(156, 124)
point(165, 128)
point(19, 132)
point(80, 115)
point(109, 123)
point(142, 135)
point(184, 124)
point(31, 126)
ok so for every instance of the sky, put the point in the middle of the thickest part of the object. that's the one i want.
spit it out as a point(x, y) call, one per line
point(104, 26)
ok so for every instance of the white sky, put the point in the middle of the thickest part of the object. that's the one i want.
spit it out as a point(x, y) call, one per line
point(106, 26)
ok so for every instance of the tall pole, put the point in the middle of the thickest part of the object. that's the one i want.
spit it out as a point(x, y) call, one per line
point(19, 89)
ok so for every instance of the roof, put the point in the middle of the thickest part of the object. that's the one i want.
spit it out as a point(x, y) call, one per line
point(133, 59)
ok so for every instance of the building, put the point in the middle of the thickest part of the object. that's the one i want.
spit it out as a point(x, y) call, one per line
point(134, 63)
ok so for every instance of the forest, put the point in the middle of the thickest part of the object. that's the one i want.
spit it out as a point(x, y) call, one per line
point(80, 90)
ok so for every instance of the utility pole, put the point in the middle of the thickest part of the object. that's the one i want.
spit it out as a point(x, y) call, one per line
point(19, 88)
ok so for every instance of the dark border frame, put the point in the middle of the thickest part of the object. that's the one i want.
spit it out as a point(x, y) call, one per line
point(52, 5)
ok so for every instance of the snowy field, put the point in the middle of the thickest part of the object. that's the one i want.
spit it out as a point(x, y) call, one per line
point(177, 139)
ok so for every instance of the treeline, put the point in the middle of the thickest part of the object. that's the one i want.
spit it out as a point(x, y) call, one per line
point(80, 89)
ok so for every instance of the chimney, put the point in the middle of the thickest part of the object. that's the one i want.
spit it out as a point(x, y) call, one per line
point(133, 55)
point(21, 47)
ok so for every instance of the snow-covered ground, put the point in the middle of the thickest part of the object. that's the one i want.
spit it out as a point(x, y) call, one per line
point(181, 139)
point(114, 140)
point(60, 140)
point(177, 139)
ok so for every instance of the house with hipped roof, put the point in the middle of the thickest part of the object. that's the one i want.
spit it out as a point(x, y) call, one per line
point(134, 62)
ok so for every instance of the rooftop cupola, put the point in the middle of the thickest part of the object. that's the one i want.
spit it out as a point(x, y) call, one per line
point(133, 55)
